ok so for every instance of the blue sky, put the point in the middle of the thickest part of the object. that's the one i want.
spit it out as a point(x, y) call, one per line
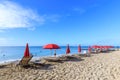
point(73, 22)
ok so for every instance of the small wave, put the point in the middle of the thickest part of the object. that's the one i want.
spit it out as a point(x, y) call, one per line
point(8, 61)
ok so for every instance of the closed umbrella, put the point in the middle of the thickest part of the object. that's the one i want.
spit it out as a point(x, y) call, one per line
point(89, 49)
point(79, 48)
point(26, 53)
point(68, 49)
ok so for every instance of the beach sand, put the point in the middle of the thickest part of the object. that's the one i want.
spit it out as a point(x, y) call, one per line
point(102, 66)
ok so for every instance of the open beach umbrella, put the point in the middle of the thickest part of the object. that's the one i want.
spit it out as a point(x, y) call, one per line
point(110, 46)
point(95, 46)
point(79, 48)
point(68, 49)
point(26, 53)
point(106, 47)
point(51, 46)
point(102, 47)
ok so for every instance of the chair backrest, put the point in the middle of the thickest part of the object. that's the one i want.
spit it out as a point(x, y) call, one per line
point(24, 61)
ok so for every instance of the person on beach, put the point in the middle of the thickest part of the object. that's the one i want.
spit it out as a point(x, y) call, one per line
point(55, 54)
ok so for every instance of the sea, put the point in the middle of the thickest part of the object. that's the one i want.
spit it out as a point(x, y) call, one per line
point(13, 53)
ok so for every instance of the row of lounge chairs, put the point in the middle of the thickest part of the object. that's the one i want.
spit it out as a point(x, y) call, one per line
point(25, 60)
point(75, 57)
point(27, 57)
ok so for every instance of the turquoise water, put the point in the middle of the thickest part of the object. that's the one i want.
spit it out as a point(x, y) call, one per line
point(11, 53)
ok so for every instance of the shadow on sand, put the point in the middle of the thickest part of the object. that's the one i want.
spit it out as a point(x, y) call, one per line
point(2, 66)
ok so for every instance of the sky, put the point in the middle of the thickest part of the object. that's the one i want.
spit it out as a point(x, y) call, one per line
point(73, 22)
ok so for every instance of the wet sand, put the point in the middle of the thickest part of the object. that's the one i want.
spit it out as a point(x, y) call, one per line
point(102, 66)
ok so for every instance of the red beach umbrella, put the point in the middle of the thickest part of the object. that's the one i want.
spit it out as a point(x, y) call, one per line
point(68, 49)
point(95, 46)
point(111, 46)
point(51, 46)
point(106, 47)
point(79, 48)
point(89, 49)
point(101, 47)
point(26, 53)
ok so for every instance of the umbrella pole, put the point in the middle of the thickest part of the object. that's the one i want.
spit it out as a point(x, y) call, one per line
point(51, 52)
point(55, 53)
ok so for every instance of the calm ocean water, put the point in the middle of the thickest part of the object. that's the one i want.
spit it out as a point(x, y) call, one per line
point(12, 53)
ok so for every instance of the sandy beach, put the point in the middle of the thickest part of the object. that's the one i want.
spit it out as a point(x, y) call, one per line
point(102, 66)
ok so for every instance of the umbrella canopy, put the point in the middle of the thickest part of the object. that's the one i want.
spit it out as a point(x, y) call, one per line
point(106, 47)
point(26, 53)
point(111, 46)
point(68, 49)
point(95, 46)
point(79, 48)
point(51, 46)
point(102, 47)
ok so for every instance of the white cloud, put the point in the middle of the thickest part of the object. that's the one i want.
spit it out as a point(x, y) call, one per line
point(79, 10)
point(52, 18)
point(13, 15)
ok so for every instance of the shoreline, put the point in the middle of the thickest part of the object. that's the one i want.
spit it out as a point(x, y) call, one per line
point(102, 66)
point(34, 58)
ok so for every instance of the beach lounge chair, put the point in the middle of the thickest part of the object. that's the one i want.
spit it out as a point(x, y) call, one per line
point(69, 58)
point(25, 60)
point(83, 55)
point(52, 59)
